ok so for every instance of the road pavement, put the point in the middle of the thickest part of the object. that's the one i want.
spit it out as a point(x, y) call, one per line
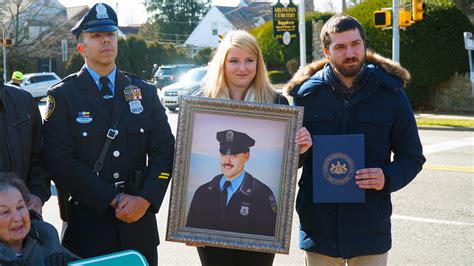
point(432, 221)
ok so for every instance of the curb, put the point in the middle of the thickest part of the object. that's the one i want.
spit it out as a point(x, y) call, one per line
point(445, 128)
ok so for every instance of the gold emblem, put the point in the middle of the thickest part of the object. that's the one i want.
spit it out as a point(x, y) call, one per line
point(338, 168)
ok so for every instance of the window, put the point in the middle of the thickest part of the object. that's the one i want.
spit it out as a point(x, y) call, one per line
point(214, 28)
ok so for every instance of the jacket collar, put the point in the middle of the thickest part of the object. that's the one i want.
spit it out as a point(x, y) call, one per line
point(246, 188)
point(387, 72)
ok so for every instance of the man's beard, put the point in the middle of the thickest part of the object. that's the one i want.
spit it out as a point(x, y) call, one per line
point(348, 72)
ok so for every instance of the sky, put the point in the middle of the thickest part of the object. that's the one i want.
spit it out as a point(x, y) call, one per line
point(133, 11)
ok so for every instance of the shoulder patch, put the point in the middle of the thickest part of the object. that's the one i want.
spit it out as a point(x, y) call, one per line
point(51, 103)
point(273, 203)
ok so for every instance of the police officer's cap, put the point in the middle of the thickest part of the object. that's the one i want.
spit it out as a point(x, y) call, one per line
point(100, 18)
point(234, 142)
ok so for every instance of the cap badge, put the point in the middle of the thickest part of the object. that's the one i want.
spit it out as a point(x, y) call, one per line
point(229, 135)
point(101, 11)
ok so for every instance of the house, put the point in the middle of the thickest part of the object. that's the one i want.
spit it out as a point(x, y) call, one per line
point(222, 19)
point(25, 21)
point(52, 50)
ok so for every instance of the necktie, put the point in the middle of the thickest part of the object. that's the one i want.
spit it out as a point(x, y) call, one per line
point(105, 91)
point(224, 198)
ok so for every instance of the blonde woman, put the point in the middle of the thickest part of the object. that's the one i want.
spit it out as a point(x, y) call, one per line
point(238, 72)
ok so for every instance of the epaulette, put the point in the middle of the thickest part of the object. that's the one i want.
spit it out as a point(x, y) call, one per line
point(132, 77)
point(68, 77)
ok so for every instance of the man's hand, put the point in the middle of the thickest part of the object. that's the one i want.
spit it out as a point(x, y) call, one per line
point(370, 178)
point(35, 204)
point(131, 208)
point(303, 139)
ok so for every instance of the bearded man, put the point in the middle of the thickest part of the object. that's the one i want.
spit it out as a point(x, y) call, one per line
point(353, 91)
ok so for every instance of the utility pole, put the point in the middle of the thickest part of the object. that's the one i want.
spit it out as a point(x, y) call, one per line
point(302, 30)
point(396, 33)
point(4, 57)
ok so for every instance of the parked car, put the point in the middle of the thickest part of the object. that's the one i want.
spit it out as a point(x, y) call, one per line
point(168, 74)
point(187, 85)
point(38, 83)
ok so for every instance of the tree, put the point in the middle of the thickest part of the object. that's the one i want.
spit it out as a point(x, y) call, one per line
point(203, 56)
point(176, 18)
point(74, 64)
point(26, 22)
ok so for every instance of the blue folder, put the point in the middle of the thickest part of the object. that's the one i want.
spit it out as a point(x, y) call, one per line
point(336, 158)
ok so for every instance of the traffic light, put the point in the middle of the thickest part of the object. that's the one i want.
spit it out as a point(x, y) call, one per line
point(404, 18)
point(382, 18)
point(418, 9)
point(8, 42)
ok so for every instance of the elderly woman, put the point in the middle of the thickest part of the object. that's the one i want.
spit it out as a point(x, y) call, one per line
point(25, 242)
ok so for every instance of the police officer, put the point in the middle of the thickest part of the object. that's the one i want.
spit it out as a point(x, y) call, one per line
point(109, 147)
point(234, 200)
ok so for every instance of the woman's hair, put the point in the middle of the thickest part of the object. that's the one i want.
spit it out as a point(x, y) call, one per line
point(215, 85)
point(11, 180)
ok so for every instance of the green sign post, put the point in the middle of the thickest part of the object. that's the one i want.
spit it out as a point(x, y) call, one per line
point(285, 22)
point(123, 258)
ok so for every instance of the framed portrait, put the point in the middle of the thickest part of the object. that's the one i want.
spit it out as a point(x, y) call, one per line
point(234, 174)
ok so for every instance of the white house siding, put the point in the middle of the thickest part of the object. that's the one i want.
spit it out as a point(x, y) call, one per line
point(202, 36)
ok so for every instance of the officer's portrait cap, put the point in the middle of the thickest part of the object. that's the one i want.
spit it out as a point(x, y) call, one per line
point(234, 142)
point(100, 18)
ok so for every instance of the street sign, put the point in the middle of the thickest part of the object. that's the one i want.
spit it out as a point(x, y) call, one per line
point(285, 22)
point(123, 258)
point(469, 45)
point(468, 41)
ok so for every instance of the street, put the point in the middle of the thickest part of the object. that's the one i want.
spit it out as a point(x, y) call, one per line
point(432, 220)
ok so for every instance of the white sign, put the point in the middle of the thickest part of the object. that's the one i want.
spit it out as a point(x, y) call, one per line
point(468, 41)
point(64, 50)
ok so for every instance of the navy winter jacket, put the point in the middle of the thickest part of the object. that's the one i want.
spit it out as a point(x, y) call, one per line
point(380, 110)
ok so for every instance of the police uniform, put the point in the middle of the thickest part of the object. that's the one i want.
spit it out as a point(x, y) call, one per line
point(251, 209)
point(78, 122)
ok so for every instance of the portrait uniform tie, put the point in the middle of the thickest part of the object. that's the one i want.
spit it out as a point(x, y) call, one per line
point(224, 198)
point(105, 91)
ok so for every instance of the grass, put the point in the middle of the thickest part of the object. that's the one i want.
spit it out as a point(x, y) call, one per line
point(445, 122)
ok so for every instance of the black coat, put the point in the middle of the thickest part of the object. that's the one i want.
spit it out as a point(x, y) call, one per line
point(251, 209)
point(73, 147)
point(23, 131)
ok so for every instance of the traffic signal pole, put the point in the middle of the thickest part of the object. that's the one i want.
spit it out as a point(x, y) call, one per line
point(302, 32)
point(395, 32)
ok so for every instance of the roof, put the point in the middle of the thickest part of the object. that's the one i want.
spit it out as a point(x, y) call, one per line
point(130, 29)
point(74, 11)
point(247, 17)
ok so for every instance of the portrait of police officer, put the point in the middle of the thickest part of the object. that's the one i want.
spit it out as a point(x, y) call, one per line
point(234, 200)
point(109, 148)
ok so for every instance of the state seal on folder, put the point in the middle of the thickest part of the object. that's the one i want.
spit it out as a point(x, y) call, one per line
point(336, 158)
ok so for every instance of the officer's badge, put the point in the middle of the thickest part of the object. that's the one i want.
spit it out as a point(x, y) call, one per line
point(229, 136)
point(136, 106)
point(132, 93)
point(51, 106)
point(273, 203)
point(83, 117)
point(244, 210)
point(101, 11)
point(338, 168)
